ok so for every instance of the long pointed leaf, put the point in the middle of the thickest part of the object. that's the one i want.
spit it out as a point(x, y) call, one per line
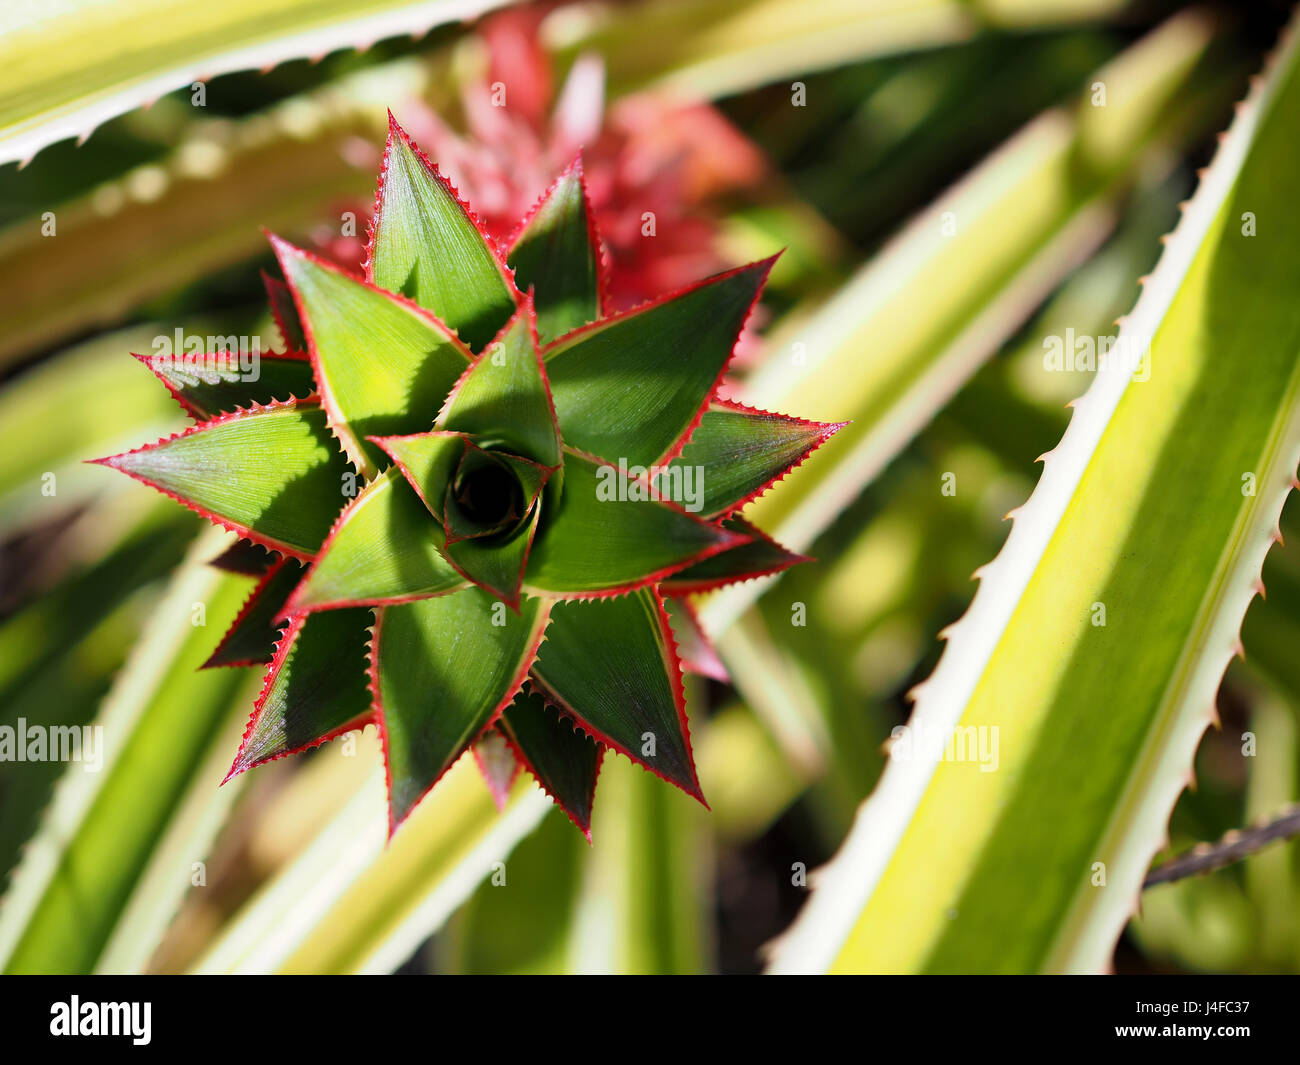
point(595, 543)
point(557, 254)
point(68, 67)
point(273, 474)
point(381, 363)
point(383, 549)
point(442, 671)
point(426, 245)
point(1038, 864)
point(561, 759)
point(314, 690)
point(612, 665)
point(505, 397)
point(633, 385)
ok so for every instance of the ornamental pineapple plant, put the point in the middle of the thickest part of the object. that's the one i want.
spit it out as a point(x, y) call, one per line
point(470, 492)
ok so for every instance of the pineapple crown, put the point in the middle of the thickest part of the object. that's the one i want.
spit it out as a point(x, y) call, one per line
point(459, 487)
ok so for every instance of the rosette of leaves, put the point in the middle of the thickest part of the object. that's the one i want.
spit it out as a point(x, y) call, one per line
point(423, 481)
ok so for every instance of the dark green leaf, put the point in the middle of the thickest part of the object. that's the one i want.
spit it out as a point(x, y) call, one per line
point(494, 564)
point(315, 689)
point(427, 461)
point(632, 385)
point(382, 364)
point(246, 557)
point(758, 557)
point(736, 452)
point(218, 383)
point(252, 635)
point(504, 398)
point(595, 542)
point(612, 665)
point(563, 760)
point(442, 671)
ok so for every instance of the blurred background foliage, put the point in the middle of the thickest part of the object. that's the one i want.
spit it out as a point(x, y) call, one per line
point(150, 866)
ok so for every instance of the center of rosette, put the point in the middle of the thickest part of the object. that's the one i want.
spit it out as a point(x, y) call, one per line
point(489, 494)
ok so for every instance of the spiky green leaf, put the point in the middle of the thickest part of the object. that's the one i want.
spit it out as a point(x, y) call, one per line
point(504, 399)
point(556, 253)
point(426, 246)
point(758, 556)
point(273, 474)
point(495, 564)
point(1135, 558)
point(252, 635)
point(633, 385)
point(594, 542)
point(736, 452)
point(384, 549)
point(563, 760)
point(315, 689)
point(221, 382)
point(382, 364)
point(611, 665)
point(442, 670)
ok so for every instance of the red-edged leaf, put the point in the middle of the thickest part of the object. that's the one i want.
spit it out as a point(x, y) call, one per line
point(612, 665)
point(634, 385)
point(556, 253)
point(427, 245)
point(250, 640)
point(223, 382)
point(498, 765)
point(315, 689)
point(285, 314)
point(737, 452)
point(441, 671)
point(593, 543)
point(427, 461)
point(561, 759)
point(693, 645)
point(273, 474)
point(504, 398)
point(759, 556)
point(385, 548)
point(383, 365)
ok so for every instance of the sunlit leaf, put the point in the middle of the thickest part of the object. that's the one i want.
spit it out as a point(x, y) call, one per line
point(427, 246)
point(273, 474)
point(384, 549)
point(1142, 503)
